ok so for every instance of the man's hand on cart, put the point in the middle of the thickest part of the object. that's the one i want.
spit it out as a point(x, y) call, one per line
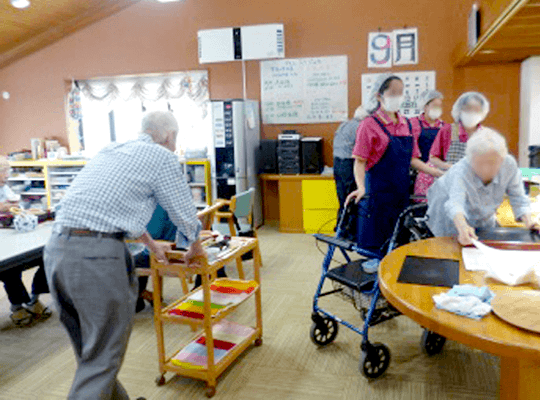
point(160, 249)
point(196, 255)
point(356, 195)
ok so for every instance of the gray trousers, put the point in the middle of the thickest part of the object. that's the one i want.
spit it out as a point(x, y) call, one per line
point(93, 284)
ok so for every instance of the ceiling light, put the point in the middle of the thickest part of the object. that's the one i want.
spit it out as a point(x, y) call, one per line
point(20, 3)
point(5, 95)
point(487, 51)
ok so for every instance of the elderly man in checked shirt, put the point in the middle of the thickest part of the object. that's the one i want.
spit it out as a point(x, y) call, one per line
point(88, 267)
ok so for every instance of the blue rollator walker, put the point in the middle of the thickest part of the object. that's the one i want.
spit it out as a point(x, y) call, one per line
point(351, 281)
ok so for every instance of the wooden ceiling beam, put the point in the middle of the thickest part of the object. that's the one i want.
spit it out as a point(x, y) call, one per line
point(513, 9)
point(63, 28)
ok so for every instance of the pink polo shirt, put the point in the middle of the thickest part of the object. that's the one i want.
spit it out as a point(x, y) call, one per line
point(420, 121)
point(444, 139)
point(372, 141)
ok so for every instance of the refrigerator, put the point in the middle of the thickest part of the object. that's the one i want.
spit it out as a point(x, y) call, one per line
point(237, 133)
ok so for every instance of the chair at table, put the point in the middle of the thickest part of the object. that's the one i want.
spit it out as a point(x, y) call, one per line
point(239, 220)
point(239, 216)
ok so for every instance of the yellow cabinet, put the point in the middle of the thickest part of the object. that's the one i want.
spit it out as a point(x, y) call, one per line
point(198, 176)
point(320, 221)
point(320, 205)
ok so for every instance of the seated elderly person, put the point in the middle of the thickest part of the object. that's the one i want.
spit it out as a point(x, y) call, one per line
point(24, 309)
point(468, 195)
point(160, 227)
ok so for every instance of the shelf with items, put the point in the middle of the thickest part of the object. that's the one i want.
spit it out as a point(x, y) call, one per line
point(218, 342)
point(23, 179)
point(230, 340)
point(45, 180)
point(60, 175)
point(27, 179)
point(34, 193)
point(226, 296)
point(198, 177)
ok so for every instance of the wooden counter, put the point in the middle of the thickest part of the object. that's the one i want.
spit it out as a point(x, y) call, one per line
point(282, 199)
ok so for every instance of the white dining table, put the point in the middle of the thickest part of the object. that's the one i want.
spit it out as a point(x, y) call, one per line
point(18, 249)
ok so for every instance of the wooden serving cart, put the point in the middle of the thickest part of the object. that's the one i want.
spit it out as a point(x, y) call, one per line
point(211, 350)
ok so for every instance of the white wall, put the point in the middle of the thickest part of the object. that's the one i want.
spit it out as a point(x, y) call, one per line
point(529, 118)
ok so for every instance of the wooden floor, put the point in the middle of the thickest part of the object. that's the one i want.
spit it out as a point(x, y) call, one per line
point(38, 363)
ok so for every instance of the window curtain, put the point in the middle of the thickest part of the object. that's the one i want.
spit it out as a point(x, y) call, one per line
point(110, 109)
point(192, 85)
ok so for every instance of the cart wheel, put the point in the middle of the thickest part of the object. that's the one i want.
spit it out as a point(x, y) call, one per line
point(324, 331)
point(432, 343)
point(375, 360)
point(258, 342)
point(160, 380)
point(210, 391)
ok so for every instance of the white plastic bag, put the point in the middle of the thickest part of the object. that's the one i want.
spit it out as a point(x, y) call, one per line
point(512, 267)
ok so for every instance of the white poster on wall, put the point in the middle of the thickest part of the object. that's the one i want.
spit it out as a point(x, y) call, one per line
point(380, 49)
point(415, 83)
point(405, 44)
point(304, 90)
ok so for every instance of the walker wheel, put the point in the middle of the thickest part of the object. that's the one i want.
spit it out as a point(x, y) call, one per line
point(160, 380)
point(258, 342)
point(432, 343)
point(210, 391)
point(375, 360)
point(324, 331)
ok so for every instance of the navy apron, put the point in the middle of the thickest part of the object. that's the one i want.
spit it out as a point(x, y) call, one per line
point(387, 191)
point(426, 139)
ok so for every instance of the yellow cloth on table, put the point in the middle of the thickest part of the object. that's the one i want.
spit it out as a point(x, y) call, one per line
point(505, 216)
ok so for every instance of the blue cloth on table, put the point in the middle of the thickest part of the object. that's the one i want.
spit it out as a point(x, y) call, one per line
point(466, 300)
point(483, 293)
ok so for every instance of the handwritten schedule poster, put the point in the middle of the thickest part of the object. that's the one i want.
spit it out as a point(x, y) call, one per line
point(304, 90)
point(415, 82)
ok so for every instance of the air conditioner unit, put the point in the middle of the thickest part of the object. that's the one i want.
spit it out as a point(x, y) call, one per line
point(256, 42)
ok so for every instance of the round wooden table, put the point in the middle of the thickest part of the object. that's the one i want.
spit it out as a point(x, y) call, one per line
point(518, 349)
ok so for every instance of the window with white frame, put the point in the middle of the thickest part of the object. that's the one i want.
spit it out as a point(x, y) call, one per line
point(111, 109)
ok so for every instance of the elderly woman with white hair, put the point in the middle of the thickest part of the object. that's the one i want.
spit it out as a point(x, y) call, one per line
point(468, 195)
point(24, 309)
point(8, 198)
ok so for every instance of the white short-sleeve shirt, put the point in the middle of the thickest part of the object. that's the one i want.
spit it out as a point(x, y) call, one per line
point(6, 194)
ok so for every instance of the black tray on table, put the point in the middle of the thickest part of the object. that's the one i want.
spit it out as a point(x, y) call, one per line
point(516, 235)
